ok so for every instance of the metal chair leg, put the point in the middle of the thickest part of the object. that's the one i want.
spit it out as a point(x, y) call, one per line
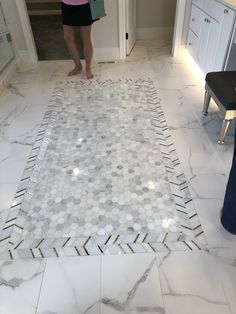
point(207, 99)
point(224, 129)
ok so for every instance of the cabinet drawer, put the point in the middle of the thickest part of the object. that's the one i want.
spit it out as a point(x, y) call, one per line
point(195, 20)
point(199, 3)
point(216, 10)
point(192, 43)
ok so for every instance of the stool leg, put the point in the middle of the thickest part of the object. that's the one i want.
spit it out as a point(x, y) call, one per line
point(207, 99)
point(224, 129)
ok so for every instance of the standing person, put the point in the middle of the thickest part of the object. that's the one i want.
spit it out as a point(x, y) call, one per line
point(76, 16)
point(228, 218)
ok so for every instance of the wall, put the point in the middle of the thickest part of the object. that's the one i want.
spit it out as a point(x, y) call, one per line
point(155, 19)
point(106, 33)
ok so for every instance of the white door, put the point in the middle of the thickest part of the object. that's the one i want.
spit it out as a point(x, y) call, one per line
point(130, 17)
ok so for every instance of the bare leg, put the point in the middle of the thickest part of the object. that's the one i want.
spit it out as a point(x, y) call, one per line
point(69, 37)
point(88, 49)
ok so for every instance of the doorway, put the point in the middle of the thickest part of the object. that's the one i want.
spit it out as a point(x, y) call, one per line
point(167, 25)
point(46, 24)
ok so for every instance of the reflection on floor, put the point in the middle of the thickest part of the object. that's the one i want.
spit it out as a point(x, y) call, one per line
point(166, 281)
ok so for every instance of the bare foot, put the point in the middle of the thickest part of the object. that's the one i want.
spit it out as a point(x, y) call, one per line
point(77, 69)
point(89, 73)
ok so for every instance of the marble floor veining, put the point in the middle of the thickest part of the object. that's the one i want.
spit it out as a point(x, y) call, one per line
point(152, 280)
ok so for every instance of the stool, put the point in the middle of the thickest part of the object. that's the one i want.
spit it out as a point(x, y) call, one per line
point(221, 87)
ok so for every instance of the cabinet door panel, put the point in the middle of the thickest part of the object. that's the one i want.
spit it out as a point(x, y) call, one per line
point(203, 40)
point(195, 20)
point(211, 46)
point(225, 35)
point(192, 43)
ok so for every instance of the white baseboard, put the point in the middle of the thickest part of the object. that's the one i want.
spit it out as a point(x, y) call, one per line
point(24, 55)
point(8, 73)
point(106, 54)
point(160, 33)
point(27, 57)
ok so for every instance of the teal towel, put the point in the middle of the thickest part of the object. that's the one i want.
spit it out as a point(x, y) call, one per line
point(97, 9)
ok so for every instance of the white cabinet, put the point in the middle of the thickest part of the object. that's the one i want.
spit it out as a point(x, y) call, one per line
point(6, 50)
point(210, 30)
point(3, 26)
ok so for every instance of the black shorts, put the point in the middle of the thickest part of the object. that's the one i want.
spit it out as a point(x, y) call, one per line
point(76, 15)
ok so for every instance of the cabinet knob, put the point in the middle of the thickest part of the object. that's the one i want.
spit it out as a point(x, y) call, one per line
point(226, 11)
point(190, 44)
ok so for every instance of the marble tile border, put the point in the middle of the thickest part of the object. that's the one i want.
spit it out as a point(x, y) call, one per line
point(190, 238)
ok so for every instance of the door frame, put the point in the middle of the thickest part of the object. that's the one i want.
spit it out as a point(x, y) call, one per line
point(31, 54)
point(122, 28)
point(130, 42)
point(178, 28)
point(176, 43)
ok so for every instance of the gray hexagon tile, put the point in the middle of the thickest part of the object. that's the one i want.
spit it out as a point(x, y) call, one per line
point(103, 166)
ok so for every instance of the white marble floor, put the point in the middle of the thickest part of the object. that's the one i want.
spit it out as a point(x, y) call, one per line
point(177, 282)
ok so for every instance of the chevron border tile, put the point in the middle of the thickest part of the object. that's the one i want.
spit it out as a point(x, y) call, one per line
point(190, 237)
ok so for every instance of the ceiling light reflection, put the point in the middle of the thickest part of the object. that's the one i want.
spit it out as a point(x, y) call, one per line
point(166, 223)
point(76, 171)
point(151, 185)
